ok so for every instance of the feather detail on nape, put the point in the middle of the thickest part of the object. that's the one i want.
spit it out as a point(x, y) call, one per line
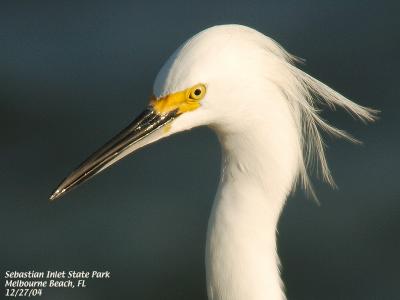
point(306, 95)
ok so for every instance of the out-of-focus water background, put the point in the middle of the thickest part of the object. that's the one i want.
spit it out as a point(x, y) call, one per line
point(73, 73)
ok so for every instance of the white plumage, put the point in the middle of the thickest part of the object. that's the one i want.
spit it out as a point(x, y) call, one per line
point(265, 113)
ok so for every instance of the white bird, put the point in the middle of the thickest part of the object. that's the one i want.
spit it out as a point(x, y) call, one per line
point(264, 111)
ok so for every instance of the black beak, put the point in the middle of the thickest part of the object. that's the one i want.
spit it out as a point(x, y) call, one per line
point(142, 131)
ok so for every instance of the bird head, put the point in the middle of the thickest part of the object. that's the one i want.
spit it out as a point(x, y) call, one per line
point(222, 77)
point(180, 100)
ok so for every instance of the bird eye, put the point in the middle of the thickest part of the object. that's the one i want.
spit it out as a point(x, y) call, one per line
point(197, 92)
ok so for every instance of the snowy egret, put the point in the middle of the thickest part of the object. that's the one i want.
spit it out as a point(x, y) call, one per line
point(263, 109)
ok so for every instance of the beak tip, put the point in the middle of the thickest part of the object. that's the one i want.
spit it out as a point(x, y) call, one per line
point(56, 194)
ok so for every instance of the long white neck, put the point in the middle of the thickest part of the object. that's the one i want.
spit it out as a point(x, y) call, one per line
point(258, 170)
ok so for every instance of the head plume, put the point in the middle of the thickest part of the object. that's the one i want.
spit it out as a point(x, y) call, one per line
point(306, 95)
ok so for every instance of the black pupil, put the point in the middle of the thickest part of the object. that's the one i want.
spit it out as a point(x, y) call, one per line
point(197, 92)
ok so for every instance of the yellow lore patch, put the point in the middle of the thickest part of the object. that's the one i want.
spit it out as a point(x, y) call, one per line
point(183, 101)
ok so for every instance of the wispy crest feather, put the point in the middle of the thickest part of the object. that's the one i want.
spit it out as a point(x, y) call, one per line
point(305, 95)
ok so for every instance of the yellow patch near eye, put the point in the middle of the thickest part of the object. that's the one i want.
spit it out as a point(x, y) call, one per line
point(183, 101)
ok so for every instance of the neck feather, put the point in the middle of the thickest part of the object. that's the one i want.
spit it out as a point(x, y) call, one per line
point(258, 171)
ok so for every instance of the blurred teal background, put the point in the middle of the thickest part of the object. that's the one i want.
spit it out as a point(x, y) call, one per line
point(73, 73)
